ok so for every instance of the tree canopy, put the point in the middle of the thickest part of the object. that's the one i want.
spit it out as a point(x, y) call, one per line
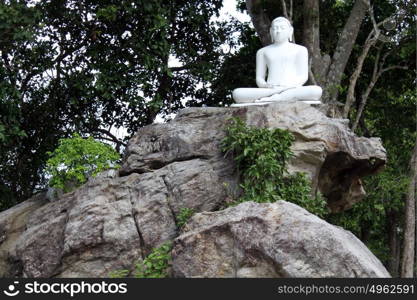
point(89, 66)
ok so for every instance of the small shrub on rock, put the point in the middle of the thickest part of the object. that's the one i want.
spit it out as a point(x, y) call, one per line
point(156, 264)
point(262, 156)
point(184, 216)
point(76, 159)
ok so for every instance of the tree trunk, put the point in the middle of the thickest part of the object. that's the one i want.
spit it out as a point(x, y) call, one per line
point(343, 50)
point(398, 255)
point(393, 242)
point(260, 20)
point(355, 76)
point(415, 247)
point(365, 233)
point(311, 39)
point(407, 262)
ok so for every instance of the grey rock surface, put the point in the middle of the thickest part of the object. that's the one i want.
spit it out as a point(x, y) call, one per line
point(325, 149)
point(116, 218)
point(12, 226)
point(112, 222)
point(280, 240)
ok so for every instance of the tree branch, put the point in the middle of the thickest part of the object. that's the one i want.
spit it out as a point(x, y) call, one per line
point(371, 40)
point(110, 137)
point(284, 9)
point(260, 20)
point(311, 39)
point(376, 74)
point(310, 72)
point(344, 48)
point(394, 67)
point(350, 98)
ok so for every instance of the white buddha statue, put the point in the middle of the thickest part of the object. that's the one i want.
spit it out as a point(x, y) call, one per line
point(287, 66)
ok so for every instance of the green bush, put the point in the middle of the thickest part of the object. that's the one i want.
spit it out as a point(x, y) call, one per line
point(76, 159)
point(297, 189)
point(155, 265)
point(261, 156)
point(184, 215)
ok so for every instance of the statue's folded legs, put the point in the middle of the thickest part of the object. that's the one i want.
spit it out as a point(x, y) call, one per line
point(251, 95)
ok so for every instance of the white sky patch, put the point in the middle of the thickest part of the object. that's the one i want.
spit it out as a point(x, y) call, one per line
point(229, 10)
point(174, 62)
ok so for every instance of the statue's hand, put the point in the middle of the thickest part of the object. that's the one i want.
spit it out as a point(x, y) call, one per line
point(280, 89)
point(271, 86)
point(264, 85)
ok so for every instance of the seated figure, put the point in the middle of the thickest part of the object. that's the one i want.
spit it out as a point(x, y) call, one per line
point(287, 67)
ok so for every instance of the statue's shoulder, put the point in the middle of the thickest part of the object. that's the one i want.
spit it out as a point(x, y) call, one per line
point(261, 51)
point(264, 50)
point(299, 48)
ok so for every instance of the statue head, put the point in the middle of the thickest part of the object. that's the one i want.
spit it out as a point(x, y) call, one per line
point(281, 30)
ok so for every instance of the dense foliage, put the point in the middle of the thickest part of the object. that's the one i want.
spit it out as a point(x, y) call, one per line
point(76, 159)
point(262, 155)
point(92, 66)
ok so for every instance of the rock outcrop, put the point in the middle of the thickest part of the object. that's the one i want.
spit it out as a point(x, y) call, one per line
point(270, 240)
point(325, 149)
point(116, 218)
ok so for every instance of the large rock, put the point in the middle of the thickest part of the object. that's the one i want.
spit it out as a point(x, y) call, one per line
point(110, 222)
point(325, 149)
point(270, 240)
point(115, 219)
point(13, 225)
